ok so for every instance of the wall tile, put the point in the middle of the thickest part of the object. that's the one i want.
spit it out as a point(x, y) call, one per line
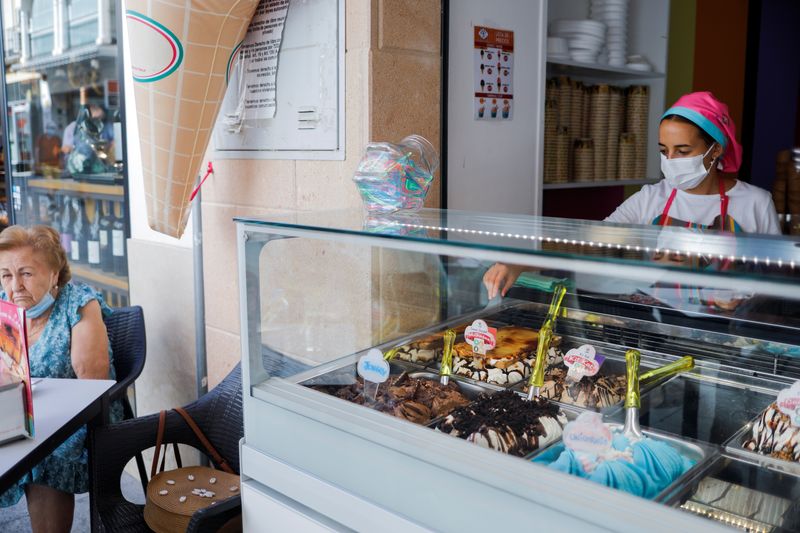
point(410, 25)
point(358, 24)
point(406, 91)
point(224, 351)
point(255, 183)
point(220, 264)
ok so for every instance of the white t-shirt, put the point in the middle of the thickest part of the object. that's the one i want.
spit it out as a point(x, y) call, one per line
point(68, 139)
point(750, 207)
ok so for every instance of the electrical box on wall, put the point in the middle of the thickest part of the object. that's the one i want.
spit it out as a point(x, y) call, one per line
point(309, 98)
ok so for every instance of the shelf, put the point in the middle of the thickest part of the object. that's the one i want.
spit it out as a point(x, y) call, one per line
point(77, 187)
point(597, 184)
point(596, 69)
point(98, 276)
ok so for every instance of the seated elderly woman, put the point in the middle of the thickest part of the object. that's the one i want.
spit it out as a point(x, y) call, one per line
point(67, 339)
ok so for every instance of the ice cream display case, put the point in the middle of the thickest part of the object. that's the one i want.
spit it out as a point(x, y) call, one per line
point(632, 378)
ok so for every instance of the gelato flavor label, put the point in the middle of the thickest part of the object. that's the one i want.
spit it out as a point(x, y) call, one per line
point(156, 52)
point(481, 337)
point(582, 361)
point(588, 434)
point(372, 367)
point(789, 403)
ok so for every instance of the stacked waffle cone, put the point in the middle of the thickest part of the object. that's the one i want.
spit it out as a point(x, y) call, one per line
point(180, 55)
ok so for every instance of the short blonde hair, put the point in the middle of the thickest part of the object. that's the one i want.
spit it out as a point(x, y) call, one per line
point(44, 240)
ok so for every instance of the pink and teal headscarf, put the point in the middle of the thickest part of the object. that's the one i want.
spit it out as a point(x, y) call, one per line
point(711, 116)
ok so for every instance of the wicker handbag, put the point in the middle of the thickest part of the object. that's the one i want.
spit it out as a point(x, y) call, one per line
point(175, 495)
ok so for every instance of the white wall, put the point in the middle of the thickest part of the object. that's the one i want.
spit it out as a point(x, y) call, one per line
point(496, 166)
point(138, 210)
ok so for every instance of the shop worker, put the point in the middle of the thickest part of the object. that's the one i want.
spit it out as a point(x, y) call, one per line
point(697, 140)
point(67, 339)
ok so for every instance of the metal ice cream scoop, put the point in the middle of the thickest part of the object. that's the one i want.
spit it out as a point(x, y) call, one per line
point(537, 374)
point(447, 357)
point(684, 364)
point(543, 346)
point(632, 399)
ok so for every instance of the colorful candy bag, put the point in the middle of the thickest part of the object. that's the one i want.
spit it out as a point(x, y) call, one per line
point(391, 176)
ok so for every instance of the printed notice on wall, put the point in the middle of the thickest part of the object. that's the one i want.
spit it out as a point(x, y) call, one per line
point(494, 74)
point(253, 65)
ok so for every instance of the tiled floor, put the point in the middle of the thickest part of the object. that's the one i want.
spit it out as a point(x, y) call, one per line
point(15, 519)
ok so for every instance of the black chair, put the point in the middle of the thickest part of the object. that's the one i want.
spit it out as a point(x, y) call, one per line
point(126, 334)
point(219, 415)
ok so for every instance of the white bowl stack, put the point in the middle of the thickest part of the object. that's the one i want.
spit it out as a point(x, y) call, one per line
point(585, 38)
point(557, 49)
point(614, 14)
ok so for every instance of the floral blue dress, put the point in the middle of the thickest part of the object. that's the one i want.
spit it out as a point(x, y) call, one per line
point(67, 468)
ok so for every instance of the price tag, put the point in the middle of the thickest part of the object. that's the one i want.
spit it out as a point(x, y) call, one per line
point(789, 403)
point(582, 361)
point(372, 367)
point(481, 337)
point(588, 434)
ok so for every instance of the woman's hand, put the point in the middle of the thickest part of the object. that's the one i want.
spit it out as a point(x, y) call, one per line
point(89, 346)
point(500, 277)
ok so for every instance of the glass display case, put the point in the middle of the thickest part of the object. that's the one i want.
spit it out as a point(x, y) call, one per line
point(64, 131)
point(468, 432)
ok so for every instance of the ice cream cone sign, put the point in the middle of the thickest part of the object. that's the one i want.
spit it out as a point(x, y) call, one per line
point(180, 51)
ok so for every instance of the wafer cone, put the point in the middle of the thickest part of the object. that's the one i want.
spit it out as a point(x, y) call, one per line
point(180, 52)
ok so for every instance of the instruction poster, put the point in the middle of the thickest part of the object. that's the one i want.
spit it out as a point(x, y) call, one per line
point(258, 55)
point(494, 74)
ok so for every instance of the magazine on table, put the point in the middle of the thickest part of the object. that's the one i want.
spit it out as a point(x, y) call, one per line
point(16, 399)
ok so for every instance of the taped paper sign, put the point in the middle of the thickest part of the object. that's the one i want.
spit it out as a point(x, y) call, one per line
point(179, 60)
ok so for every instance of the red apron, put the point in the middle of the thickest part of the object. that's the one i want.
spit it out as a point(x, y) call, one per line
point(723, 206)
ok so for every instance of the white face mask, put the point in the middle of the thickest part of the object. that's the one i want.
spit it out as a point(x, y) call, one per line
point(685, 173)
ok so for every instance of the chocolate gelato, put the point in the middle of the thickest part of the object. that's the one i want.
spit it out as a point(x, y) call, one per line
point(506, 422)
point(413, 399)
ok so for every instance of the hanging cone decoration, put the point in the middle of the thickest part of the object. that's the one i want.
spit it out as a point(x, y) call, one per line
point(180, 55)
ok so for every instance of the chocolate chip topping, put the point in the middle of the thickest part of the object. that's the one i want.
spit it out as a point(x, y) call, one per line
point(502, 412)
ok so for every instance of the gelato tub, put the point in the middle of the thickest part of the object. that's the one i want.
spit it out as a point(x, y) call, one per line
point(408, 394)
point(648, 468)
point(769, 440)
point(742, 495)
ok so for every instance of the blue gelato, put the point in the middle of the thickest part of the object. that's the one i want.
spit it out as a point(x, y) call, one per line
point(644, 468)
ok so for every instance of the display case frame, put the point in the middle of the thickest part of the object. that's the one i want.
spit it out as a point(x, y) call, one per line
point(327, 461)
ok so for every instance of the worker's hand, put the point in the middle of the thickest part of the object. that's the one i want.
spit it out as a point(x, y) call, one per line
point(500, 277)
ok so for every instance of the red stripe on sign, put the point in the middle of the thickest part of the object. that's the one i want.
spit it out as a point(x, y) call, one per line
point(172, 45)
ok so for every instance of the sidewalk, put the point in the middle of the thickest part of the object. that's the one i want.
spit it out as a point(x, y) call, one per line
point(15, 519)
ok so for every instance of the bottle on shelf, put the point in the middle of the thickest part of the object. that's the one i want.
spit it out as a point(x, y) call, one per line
point(93, 238)
point(118, 243)
point(66, 227)
point(106, 252)
point(55, 218)
point(118, 144)
point(78, 248)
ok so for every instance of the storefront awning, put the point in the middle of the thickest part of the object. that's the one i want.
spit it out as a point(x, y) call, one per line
point(76, 55)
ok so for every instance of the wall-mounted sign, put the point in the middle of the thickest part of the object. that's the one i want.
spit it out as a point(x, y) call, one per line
point(494, 74)
point(258, 55)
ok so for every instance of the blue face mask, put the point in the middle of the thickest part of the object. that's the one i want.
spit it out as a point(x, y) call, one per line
point(39, 309)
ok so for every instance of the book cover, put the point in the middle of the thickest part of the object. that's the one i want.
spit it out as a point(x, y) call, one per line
point(14, 364)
